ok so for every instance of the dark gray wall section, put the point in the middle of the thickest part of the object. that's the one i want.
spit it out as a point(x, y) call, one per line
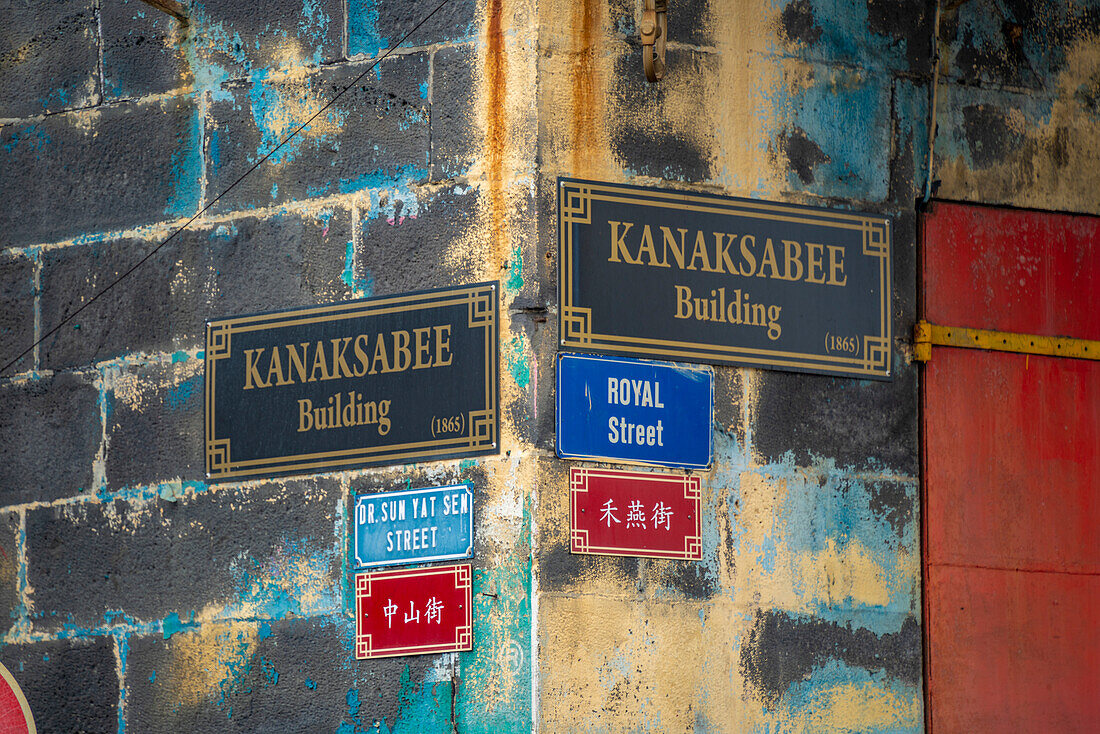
point(782, 649)
point(138, 164)
point(86, 560)
point(377, 130)
point(295, 675)
point(70, 685)
point(49, 57)
point(59, 413)
point(142, 52)
point(455, 139)
point(159, 438)
point(248, 265)
point(16, 310)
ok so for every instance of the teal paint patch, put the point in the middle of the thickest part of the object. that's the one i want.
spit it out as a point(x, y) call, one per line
point(819, 693)
point(422, 707)
point(495, 694)
point(830, 510)
point(389, 182)
point(515, 267)
point(153, 677)
point(361, 287)
point(827, 155)
point(363, 35)
point(351, 724)
point(843, 33)
point(180, 356)
point(265, 630)
point(173, 625)
point(186, 171)
point(294, 581)
point(269, 105)
point(33, 137)
point(267, 670)
point(466, 464)
point(311, 684)
point(122, 642)
point(516, 354)
point(179, 396)
point(423, 90)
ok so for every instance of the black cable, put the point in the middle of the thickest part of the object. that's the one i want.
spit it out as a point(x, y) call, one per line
point(213, 201)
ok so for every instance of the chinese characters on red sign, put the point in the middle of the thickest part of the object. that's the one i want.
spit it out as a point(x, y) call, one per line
point(635, 514)
point(413, 612)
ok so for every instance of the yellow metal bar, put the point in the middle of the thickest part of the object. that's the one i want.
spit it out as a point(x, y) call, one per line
point(926, 334)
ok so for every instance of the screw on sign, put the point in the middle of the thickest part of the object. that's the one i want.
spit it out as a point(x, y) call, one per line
point(15, 712)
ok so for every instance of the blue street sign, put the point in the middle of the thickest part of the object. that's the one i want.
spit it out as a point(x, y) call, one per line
point(413, 526)
point(635, 411)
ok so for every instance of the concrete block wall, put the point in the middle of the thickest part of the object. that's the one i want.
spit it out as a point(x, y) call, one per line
point(136, 596)
point(140, 597)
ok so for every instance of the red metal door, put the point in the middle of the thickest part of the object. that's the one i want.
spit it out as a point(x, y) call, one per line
point(1011, 475)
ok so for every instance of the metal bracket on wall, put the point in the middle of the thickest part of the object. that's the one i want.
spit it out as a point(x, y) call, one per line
point(926, 334)
point(172, 7)
point(654, 32)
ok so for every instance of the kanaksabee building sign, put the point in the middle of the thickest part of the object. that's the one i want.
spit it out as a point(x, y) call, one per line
point(377, 381)
point(704, 278)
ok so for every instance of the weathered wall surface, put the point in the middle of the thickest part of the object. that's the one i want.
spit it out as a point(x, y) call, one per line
point(136, 595)
point(142, 598)
point(804, 614)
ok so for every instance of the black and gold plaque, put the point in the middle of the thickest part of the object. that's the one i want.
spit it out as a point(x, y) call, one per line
point(386, 380)
point(702, 278)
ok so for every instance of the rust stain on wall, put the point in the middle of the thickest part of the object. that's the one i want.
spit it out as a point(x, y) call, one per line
point(496, 133)
point(585, 25)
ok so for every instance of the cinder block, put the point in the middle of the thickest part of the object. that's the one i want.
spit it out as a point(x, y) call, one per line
point(375, 133)
point(155, 423)
point(406, 237)
point(49, 56)
point(375, 26)
point(157, 307)
point(71, 685)
point(279, 261)
point(456, 137)
point(51, 428)
point(244, 266)
point(16, 311)
point(293, 675)
point(143, 50)
point(259, 551)
point(232, 40)
point(112, 168)
point(9, 570)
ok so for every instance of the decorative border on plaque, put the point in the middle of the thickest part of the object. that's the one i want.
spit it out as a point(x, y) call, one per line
point(575, 320)
point(482, 428)
point(464, 636)
point(579, 537)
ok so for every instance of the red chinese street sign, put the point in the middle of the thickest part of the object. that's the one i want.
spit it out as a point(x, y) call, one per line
point(645, 514)
point(413, 612)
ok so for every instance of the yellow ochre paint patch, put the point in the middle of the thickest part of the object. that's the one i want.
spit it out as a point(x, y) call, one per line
point(207, 664)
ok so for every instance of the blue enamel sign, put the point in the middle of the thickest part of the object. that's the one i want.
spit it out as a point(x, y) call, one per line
point(635, 411)
point(413, 526)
